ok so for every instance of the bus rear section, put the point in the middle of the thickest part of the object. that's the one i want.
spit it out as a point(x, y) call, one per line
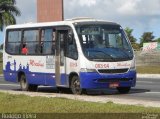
point(35, 66)
point(51, 58)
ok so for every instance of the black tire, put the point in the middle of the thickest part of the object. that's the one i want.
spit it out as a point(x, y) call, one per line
point(23, 83)
point(25, 86)
point(123, 90)
point(75, 86)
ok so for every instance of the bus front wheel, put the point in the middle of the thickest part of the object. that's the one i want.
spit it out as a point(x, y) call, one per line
point(25, 86)
point(75, 86)
point(123, 90)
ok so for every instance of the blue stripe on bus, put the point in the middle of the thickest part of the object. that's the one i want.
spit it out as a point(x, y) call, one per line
point(87, 80)
point(32, 78)
point(37, 78)
point(10, 76)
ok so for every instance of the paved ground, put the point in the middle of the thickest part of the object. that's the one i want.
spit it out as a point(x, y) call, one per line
point(147, 93)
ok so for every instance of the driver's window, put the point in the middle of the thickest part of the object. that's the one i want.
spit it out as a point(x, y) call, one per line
point(71, 50)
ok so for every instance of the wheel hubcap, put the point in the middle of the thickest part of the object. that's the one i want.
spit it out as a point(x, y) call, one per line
point(76, 86)
point(23, 83)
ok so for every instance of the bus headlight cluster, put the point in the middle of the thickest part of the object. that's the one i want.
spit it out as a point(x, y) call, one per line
point(133, 65)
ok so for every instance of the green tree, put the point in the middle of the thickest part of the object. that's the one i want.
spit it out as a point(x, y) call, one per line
point(146, 37)
point(158, 40)
point(1, 46)
point(132, 38)
point(129, 34)
point(8, 11)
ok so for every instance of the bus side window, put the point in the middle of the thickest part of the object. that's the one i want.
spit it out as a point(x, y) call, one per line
point(13, 42)
point(31, 38)
point(48, 41)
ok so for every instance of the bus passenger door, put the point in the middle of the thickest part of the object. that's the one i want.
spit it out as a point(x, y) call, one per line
point(60, 69)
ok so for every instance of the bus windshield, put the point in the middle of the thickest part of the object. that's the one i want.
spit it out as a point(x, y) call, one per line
point(103, 42)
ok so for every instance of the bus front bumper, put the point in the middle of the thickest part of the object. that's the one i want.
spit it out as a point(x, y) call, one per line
point(96, 80)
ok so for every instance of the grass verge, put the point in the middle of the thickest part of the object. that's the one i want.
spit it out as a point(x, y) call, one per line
point(25, 104)
point(148, 69)
point(47, 108)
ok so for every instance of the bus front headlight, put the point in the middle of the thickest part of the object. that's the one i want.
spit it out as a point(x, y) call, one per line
point(133, 65)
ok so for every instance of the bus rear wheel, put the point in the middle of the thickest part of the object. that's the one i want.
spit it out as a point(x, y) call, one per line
point(75, 86)
point(123, 90)
point(25, 86)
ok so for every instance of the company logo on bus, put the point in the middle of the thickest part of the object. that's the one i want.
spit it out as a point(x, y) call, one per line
point(34, 63)
point(98, 66)
point(123, 65)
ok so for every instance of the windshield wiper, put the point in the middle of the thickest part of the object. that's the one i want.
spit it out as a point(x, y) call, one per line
point(103, 60)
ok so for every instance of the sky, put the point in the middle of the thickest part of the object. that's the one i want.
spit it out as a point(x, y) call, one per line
point(139, 15)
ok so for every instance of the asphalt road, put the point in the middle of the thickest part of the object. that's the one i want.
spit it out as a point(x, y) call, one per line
point(146, 89)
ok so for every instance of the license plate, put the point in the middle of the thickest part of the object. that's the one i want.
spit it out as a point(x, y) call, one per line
point(114, 85)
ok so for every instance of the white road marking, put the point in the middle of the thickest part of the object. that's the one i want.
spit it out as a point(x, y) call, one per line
point(149, 82)
point(9, 85)
point(153, 92)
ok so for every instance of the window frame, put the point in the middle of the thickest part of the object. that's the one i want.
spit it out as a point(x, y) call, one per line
point(7, 39)
point(53, 41)
point(29, 42)
point(67, 46)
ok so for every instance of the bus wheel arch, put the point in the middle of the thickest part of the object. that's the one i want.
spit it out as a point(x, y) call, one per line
point(19, 76)
point(23, 81)
point(70, 77)
point(25, 86)
point(74, 84)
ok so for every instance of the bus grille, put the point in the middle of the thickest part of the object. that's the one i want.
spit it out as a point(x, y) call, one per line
point(114, 80)
point(110, 71)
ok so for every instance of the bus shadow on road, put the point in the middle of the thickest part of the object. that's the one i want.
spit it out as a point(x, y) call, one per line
point(42, 89)
point(139, 91)
point(93, 92)
point(115, 92)
point(47, 89)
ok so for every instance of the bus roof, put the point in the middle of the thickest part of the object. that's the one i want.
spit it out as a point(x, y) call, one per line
point(81, 20)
